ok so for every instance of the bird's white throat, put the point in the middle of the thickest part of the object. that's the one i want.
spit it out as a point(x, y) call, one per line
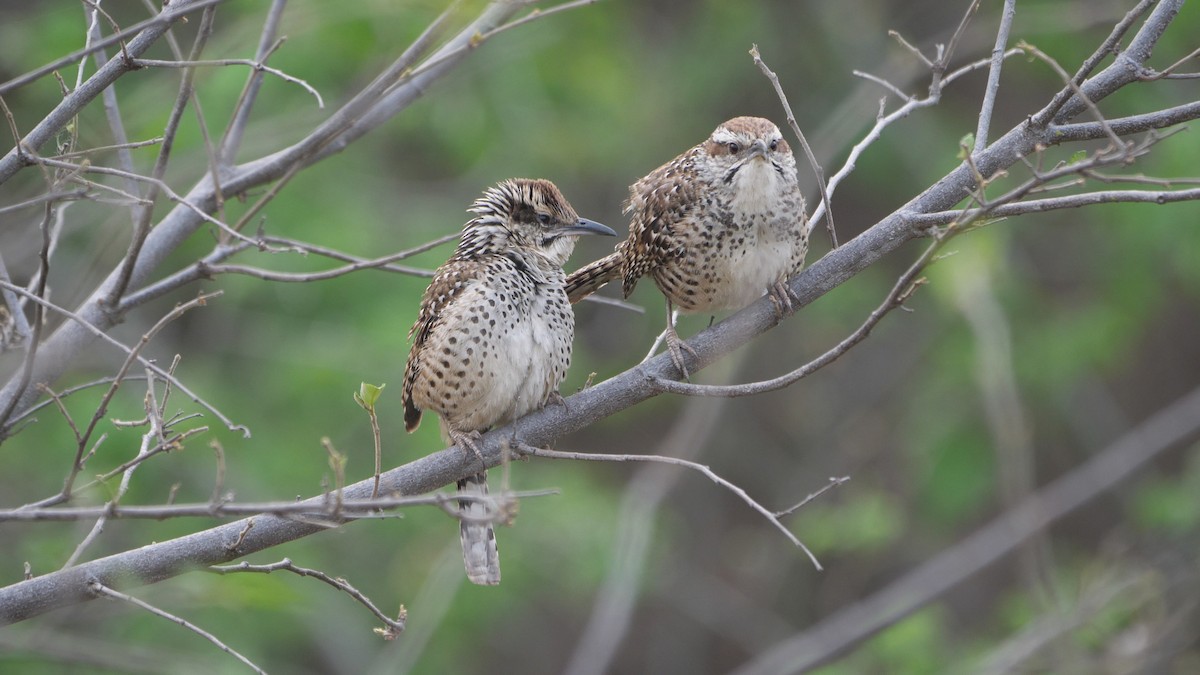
point(756, 186)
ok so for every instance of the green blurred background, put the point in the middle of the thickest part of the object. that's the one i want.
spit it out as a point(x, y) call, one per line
point(1092, 315)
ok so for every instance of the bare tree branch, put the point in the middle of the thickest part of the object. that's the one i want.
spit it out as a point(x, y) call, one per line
point(256, 65)
point(231, 141)
point(143, 214)
point(393, 627)
point(616, 598)
point(147, 31)
point(993, 83)
point(808, 153)
point(818, 645)
point(377, 103)
point(771, 516)
point(76, 319)
point(1066, 202)
point(102, 590)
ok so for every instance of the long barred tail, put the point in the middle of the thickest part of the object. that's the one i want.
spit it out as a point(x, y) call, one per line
point(480, 555)
point(592, 277)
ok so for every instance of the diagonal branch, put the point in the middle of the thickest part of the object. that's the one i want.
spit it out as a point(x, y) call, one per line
point(351, 122)
point(820, 644)
point(101, 590)
point(393, 626)
point(808, 153)
point(104, 77)
point(771, 516)
point(158, 24)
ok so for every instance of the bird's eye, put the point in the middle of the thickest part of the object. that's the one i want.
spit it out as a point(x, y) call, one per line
point(543, 218)
point(774, 145)
point(734, 148)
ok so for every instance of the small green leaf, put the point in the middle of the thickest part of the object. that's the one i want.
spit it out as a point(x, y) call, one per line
point(368, 394)
point(1078, 156)
point(965, 145)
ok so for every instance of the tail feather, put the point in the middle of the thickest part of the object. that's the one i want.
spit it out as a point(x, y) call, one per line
point(592, 277)
point(480, 555)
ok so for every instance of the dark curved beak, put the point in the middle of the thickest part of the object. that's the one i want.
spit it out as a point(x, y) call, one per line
point(585, 226)
point(758, 149)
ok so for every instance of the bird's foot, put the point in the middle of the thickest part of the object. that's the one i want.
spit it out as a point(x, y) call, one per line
point(469, 440)
point(782, 298)
point(677, 346)
point(556, 398)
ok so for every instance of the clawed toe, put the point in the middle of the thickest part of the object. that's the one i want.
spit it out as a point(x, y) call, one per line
point(677, 346)
point(469, 441)
point(556, 398)
point(782, 298)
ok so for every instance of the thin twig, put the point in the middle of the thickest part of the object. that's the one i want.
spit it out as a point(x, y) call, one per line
point(171, 443)
point(219, 481)
point(39, 313)
point(135, 356)
point(62, 408)
point(305, 277)
point(944, 55)
point(1057, 203)
point(156, 63)
point(68, 391)
point(1110, 45)
point(394, 626)
point(337, 462)
point(1169, 71)
point(100, 589)
point(156, 182)
point(885, 84)
point(144, 452)
point(231, 140)
point(808, 153)
point(20, 324)
point(676, 461)
point(883, 121)
point(993, 82)
point(53, 196)
point(143, 215)
point(169, 15)
point(833, 482)
point(1114, 464)
point(112, 110)
point(904, 287)
point(307, 247)
point(109, 339)
point(1117, 143)
point(480, 38)
point(177, 280)
point(132, 145)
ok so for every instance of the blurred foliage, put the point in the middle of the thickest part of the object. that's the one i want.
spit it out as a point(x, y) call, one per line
point(1100, 305)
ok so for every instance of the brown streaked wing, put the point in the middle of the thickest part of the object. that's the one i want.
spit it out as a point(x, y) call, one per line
point(660, 203)
point(450, 280)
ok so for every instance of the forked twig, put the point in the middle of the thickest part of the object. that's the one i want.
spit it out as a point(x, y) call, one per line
point(808, 153)
point(695, 466)
point(100, 589)
point(393, 626)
